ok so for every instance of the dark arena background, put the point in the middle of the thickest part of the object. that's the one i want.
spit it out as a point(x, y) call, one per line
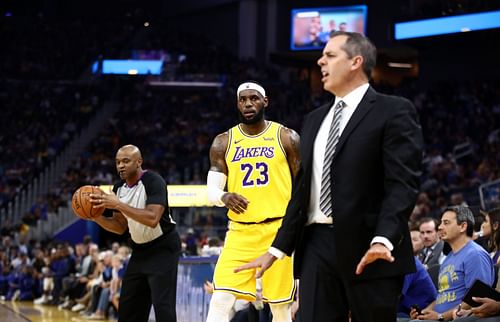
point(79, 79)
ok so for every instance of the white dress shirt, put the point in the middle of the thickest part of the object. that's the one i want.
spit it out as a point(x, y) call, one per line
point(351, 100)
point(314, 214)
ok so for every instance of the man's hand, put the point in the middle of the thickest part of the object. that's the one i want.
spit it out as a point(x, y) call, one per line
point(208, 287)
point(461, 311)
point(488, 307)
point(427, 315)
point(295, 309)
point(104, 200)
point(263, 262)
point(235, 202)
point(377, 251)
point(413, 313)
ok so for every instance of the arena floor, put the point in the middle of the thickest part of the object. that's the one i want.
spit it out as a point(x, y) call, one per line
point(27, 311)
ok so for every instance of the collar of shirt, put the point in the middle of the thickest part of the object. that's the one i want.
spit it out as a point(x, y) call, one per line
point(352, 101)
point(431, 248)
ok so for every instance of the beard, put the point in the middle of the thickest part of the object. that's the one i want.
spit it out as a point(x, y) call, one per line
point(254, 120)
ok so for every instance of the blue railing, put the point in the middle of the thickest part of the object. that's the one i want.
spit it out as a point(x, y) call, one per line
point(192, 300)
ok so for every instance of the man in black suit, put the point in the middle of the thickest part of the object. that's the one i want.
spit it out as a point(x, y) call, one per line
point(351, 239)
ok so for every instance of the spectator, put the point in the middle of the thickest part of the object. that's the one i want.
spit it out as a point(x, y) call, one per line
point(213, 248)
point(418, 288)
point(491, 230)
point(432, 253)
point(464, 264)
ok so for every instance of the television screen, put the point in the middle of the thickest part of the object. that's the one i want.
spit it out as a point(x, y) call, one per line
point(128, 67)
point(311, 27)
point(447, 25)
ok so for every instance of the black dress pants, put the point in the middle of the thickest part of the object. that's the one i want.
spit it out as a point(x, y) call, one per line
point(327, 296)
point(151, 278)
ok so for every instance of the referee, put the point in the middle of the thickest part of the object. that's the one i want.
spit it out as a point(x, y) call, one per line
point(139, 203)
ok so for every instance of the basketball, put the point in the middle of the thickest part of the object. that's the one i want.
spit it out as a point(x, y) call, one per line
point(81, 204)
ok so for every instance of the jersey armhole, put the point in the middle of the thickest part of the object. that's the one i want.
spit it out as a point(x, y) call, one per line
point(280, 128)
point(229, 139)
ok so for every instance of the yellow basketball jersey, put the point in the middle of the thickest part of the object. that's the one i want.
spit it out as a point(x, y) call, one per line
point(259, 171)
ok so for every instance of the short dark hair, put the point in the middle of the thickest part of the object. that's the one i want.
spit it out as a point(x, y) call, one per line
point(413, 226)
point(358, 44)
point(463, 214)
point(429, 219)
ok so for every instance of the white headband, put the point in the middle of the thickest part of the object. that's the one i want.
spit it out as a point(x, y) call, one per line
point(250, 85)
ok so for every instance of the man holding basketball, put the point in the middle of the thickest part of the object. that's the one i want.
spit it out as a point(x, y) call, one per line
point(139, 203)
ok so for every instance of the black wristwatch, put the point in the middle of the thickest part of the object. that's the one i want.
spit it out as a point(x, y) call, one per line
point(440, 317)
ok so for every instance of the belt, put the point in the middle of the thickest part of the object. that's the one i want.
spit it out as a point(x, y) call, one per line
point(318, 225)
point(267, 220)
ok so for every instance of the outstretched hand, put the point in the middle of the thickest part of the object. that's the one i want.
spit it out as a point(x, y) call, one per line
point(487, 308)
point(262, 262)
point(375, 252)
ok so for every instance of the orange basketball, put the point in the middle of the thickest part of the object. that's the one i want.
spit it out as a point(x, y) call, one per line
point(81, 203)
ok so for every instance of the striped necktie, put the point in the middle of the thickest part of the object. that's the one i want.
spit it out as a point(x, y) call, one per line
point(325, 199)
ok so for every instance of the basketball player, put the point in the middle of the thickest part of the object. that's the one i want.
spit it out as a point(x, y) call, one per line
point(257, 158)
point(139, 202)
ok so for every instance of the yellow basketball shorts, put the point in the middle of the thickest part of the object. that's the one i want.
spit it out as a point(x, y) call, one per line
point(244, 243)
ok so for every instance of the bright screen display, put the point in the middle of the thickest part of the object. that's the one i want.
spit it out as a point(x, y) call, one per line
point(311, 27)
point(446, 25)
point(129, 67)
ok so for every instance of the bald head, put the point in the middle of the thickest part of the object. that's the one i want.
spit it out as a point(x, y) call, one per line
point(129, 162)
point(131, 150)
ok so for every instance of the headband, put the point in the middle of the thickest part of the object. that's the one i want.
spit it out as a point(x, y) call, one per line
point(250, 85)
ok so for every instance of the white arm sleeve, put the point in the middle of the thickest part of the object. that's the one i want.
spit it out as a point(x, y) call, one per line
point(216, 181)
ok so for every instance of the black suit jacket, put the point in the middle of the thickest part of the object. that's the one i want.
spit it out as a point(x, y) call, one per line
point(375, 180)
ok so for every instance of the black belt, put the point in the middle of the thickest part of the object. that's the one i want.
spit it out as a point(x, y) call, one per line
point(260, 222)
point(319, 226)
